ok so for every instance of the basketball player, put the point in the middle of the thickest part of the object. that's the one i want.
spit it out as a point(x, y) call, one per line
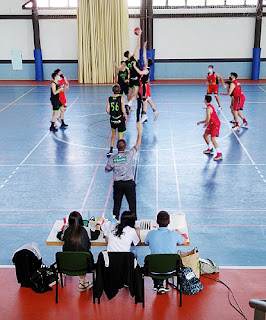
point(134, 76)
point(56, 103)
point(122, 76)
point(63, 83)
point(212, 84)
point(239, 100)
point(145, 86)
point(116, 108)
point(212, 124)
point(227, 84)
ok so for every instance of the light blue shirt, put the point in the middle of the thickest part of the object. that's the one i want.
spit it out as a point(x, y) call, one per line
point(163, 240)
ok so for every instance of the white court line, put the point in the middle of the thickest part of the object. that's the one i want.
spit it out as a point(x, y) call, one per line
point(140, 165)
point(243, 147)
point(32, 150)
point(173, 152)
point(243, 267)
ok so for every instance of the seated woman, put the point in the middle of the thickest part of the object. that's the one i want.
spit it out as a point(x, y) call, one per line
point(76, 238)
point(121, 236)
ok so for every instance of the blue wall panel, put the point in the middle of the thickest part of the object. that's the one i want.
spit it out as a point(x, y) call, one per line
point(172, 70)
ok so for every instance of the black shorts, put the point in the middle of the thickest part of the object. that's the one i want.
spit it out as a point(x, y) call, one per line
point(124, 88)
point(133, 82)
point(57, 104)
point(119, 124)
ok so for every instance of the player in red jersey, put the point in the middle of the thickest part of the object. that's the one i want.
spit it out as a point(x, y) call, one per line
point(239, 100)
point(212, 84)
point(145, 90)
point(212, 124)
point(63, 83)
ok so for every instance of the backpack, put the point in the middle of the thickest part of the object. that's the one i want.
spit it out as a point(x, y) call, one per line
point(208, 266)
point(26, 263)
point(190, 284)
point(43, 278)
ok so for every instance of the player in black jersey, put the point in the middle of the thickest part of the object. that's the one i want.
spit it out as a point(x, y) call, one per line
point(134, 76)
point(116, 108)
point(56, 103)
point(145, 86)
point(122, 74)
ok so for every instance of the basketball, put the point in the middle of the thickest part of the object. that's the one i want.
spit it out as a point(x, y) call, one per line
point(136, 31)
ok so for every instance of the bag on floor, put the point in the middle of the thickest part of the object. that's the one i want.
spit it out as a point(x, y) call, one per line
point(190, 284)
point(43, 278)
point(208, 266)
point(27, 260)
point(191, 259)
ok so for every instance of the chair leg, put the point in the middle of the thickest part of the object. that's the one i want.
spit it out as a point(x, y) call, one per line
point(93, 288)
point(61, 280)
point(143, 302)
point(56, 290)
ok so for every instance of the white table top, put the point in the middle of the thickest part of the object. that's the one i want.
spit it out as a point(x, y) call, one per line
point(144, 225)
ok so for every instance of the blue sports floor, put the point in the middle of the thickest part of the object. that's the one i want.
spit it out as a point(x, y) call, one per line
point(44, 175)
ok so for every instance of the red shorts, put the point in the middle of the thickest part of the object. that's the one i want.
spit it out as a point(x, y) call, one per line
point(145, 91)
point(62, 98)
point(239, 102)
point(212, 88)
point(213, 130)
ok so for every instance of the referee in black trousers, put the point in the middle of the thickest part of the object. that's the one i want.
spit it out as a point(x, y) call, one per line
point(121, 165)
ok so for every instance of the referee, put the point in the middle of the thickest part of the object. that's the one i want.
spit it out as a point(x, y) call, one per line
point(121, 164)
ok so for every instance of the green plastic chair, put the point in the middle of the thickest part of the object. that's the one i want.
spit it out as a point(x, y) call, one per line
point(164, 267)
point(73, 264)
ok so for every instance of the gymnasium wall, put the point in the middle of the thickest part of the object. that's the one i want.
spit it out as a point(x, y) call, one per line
point(184, 46)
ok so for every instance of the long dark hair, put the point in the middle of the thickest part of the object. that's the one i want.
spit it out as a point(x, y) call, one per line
point(75, 226)
point(127, 219)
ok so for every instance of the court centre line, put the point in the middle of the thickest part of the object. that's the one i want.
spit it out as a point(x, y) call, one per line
point(173, 152)
point(36, 146)
point(17, 99)
point(243, 147)
point(94, 175)
point(108, 197)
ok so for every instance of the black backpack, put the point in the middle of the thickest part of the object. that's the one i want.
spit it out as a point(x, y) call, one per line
point(42, 278)
point(26, 264)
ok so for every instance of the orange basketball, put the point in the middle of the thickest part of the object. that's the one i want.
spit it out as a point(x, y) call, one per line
point(136, 31)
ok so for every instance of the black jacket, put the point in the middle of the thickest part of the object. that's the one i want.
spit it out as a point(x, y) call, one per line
point(120, 272)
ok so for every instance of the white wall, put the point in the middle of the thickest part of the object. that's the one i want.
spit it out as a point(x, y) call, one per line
point(203, 38)
point(59, 39)
point(16, 35)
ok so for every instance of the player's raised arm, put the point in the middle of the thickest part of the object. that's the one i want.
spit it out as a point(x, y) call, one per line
point(138, 45)
point(145, 53)
point(138, 142)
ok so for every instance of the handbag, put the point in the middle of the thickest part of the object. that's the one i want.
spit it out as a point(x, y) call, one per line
point(191, 259)
point(190, 284)
point(208, 266)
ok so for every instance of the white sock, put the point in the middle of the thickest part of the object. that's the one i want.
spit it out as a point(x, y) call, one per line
point(209, 147)
point(218, 150)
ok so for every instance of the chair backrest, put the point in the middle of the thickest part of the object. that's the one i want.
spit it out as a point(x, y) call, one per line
point(162, 264)
point(74, 263)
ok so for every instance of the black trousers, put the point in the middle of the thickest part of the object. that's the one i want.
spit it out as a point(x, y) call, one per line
point(127, 188)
